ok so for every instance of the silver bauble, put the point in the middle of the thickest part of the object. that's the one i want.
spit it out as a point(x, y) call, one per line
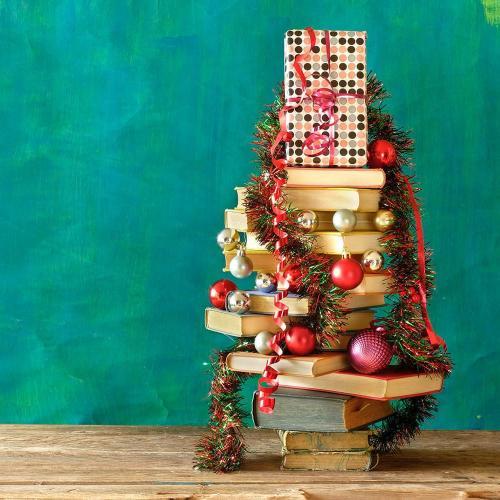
point(372, 261)
point(308, 220)
point(344, 220)
point(262, 342)
point(228, 239)
point(241, 266)
point(238, 302)
point(265, 282)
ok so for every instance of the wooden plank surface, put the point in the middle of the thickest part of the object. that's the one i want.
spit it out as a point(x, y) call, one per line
point(151, 462)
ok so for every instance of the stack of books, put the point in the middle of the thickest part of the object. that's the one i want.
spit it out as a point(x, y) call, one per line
point(323, 407)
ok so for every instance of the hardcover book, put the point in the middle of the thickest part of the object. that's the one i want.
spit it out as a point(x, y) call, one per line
point(324, 441)
point(339, 461)
point(392, 383)
point(311, 365)
point(314, 411)
point(236, 218)
point(318, 198)
point(249, 324)
point(261, 302)
point(335, 177)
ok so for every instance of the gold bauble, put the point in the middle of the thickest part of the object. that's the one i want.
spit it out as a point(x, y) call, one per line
point(384, 220)
point(372, 261)
point(228, 239)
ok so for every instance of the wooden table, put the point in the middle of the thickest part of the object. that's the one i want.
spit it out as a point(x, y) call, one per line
point(156, 462)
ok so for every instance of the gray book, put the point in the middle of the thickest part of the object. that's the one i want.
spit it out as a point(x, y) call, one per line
point(315, 411)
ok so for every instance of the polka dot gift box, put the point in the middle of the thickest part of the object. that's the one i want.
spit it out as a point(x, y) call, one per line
point(325, 87)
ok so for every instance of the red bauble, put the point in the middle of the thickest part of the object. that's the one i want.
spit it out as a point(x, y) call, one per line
point(369, 352)
point(218, 291)
point(293, 275)
point(347, 273)
point(300, 340)
point(381, 154)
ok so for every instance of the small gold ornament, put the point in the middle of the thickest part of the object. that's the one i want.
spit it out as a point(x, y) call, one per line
point(384, 220)
point(228, 239)
point(308, 220)
point(372, 261)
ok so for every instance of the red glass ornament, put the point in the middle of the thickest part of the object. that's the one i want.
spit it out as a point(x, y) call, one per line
point(293, 275)
point(218, 291)
point(381, 154)
point(300, 340)
point(347, 273)
point(369, 352)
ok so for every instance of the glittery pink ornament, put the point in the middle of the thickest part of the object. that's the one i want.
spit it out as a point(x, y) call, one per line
point(369, 352)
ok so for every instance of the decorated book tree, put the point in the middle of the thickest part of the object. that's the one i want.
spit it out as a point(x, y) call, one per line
point(331, 227)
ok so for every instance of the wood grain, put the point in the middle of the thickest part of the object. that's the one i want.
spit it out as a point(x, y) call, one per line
point(151, 462)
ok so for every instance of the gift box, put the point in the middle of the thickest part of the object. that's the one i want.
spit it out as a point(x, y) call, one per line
point(325, 88)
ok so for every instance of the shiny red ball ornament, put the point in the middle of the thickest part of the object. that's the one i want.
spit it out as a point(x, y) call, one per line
point(300, 340)
point(218, 291)
point(369, 352)
point(347, 273)
point(381, 154)
point(293, 275)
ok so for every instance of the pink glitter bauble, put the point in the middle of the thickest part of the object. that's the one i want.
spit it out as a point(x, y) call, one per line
point(369, 352)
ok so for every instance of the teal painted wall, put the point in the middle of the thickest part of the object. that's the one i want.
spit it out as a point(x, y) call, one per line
point(125, 126)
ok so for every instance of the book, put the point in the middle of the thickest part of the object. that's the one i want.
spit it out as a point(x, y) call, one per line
point(311, 365)
point(236, 218)
point(314, 411)
point(319, 198)
point(249, 325)
point(335, 177)
point(340, 342)
point(324, 441)
point(263, 303)
point(340, 461)
point(392, 383)
point(332, 242)
point(264, 261)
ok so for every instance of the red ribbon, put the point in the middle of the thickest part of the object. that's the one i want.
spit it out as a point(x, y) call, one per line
point(434, 339)
point(323, 100)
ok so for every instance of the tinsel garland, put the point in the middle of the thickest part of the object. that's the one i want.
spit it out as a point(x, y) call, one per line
point(223, 448)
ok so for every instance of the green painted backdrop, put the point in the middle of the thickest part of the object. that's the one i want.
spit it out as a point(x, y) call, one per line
point(124, 127)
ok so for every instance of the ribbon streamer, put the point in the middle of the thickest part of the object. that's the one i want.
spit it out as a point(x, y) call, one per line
point(323, 100)
point(434, 339)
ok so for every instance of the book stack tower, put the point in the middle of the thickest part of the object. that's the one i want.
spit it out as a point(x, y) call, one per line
point(314, 229)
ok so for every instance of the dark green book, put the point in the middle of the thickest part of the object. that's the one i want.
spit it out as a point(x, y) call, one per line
point(315, 411)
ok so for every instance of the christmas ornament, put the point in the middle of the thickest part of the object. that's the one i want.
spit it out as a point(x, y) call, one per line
point(265, 282)
point(238, 302)
point(293, 275)
point(308, 220)
point(241, 266)
point(346, 273)
point(300, 340)
point(369, 352)
point(218, 291)
point(344, 220)
point(372, 261)
point(262, 342)
point(381, 154)
point(384, 220)
point(228, 239)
